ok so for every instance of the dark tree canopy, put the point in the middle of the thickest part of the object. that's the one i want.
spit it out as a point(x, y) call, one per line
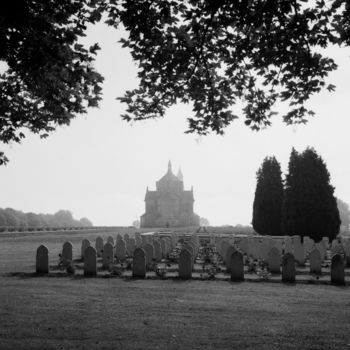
point(50, 78)
point(309, 207)
point(267, 206)
point(210, 53)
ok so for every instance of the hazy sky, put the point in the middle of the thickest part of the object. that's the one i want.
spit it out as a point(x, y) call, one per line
point(99, 166)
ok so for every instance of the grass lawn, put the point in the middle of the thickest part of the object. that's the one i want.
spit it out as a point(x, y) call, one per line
point(114, 313)
point(101, 313)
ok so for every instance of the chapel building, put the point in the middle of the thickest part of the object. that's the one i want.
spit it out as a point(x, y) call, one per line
point(169, 205)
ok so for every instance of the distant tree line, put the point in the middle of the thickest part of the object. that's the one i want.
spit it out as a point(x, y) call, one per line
point(303, 204)
point(17, 219)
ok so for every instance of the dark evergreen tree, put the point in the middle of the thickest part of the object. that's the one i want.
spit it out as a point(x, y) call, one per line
point(267, 207)
point(309, 207)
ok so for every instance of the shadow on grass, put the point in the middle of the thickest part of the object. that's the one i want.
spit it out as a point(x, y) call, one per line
point(175, 279)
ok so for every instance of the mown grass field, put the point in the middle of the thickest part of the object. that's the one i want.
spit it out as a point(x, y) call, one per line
point(114, 313)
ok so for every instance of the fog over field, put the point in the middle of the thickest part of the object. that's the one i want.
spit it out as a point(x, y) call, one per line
point(99, 166)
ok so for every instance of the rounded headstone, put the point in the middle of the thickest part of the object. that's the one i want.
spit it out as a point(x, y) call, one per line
point(99, 246)
point(139, 263)
point(67, 252)
point(149, 251)
point(42, 260)
point(229, 251)
point(120, 249)
point(90, 262)
point(107, 255)
point(185, 264)
point(157, 251)
point(315, 261)
point(84, 244)
point(288, 268)
point(237, 266)
point(110, 240)
point(337, 270)
point(274, 260)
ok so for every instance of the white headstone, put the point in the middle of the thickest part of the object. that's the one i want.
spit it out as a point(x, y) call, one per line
point(274, 260)
point(321, 248)
point(288, 246)
point(299, 253)
point(315, 261)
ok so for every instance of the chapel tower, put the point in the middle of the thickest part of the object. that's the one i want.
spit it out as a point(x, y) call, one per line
point(169, 205)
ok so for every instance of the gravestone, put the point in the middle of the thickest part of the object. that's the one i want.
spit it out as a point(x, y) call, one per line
point(163, 248)
point(110, 240)
point(299, 253)
point(168, 248)
point(237, 266)
point(279, 245)
point(190, 248)
point(67, 252)
point(126, 238)
point(315, 261)
point(144, 240)
point(274, 260)
point(288, 268)
point(84, 244)
point(99, 245)
point(120, 249)
point(337, 270)
point(337, 247)
point(288, 246)
point(131, 246)
point(211, 239)
point(229, 251)
point(157, 251)
point(223, 248)
point(322, 249)
point(266, 247)
point(90, 262)
point(107, 255)
point(42, 260)
point(139, 263)
point(185, 264)
point(138, 241)
point(149, 251)
point(308, 244)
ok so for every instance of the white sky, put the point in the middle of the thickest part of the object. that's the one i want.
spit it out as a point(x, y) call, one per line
point(99, 166)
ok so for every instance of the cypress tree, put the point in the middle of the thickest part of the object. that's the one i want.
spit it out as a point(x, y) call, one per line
point(268, 199)
point(309, 207)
